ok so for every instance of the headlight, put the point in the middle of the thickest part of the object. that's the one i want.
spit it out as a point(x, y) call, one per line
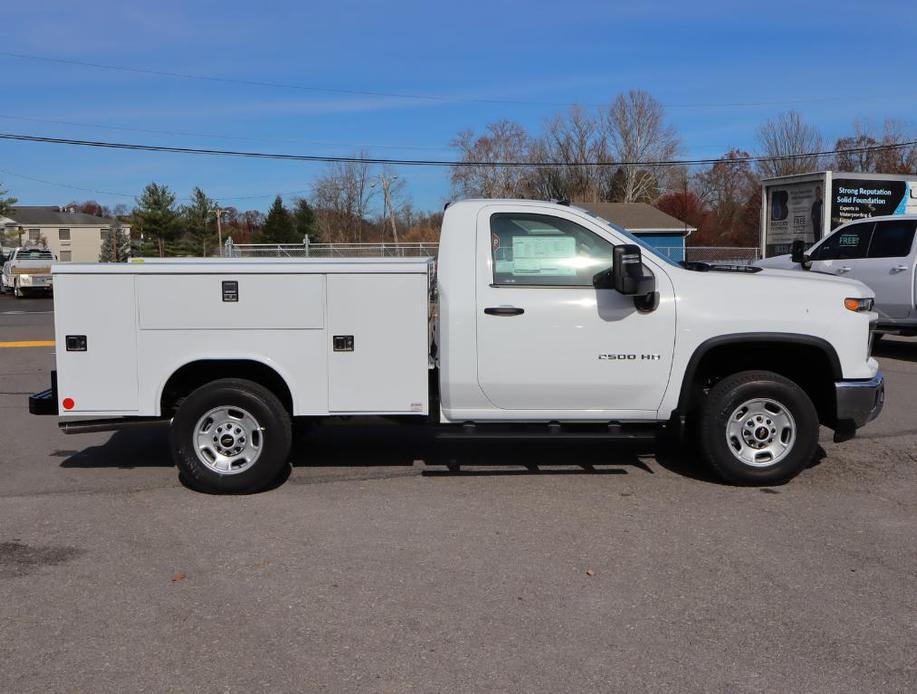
point(859, 304)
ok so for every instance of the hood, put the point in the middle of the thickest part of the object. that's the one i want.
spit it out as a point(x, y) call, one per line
point(782, 262)
point(811, 276)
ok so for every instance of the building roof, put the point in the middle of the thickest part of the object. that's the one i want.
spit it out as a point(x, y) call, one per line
point(53, 216)
point(638, 217)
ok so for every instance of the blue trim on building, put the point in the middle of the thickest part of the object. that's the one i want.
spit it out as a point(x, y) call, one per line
point(671, 245)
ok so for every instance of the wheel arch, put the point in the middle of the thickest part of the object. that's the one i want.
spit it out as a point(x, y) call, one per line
point(192, 375)
point(810, 361)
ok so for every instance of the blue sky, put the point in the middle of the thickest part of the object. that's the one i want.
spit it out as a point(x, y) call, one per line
point(720, 67)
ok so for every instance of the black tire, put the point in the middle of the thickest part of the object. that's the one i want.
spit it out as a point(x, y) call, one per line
point(273, 435)
point(724, 400)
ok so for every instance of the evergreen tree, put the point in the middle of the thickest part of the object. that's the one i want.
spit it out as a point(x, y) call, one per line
point(305, 221)
point(279, 226)
point(117, 247)
point(5, 202)
point(156, 215)
point(200, 222)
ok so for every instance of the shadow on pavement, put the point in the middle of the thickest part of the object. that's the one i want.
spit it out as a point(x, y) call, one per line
point(146, 446)
point(368, 444)
point(891, 348)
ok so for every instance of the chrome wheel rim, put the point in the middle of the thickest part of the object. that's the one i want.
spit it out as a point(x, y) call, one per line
point(760, 432)
point(228, 440)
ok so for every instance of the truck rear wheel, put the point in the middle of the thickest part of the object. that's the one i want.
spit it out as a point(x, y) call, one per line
point(758, 428)
point(231, 436)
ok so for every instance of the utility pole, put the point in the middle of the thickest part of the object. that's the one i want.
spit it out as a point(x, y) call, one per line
point(387, 198)
point(220, 229)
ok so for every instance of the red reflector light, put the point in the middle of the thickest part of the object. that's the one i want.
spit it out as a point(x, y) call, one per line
point(68, 403)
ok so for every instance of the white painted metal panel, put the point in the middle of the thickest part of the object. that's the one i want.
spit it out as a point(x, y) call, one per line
point(185, 301)
point(103, 379)
point(387, 370)
point(298, 356)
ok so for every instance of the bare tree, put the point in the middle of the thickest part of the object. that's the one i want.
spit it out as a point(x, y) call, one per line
point(730, 192)
point(502, 141)
point(569, 147)
point(864, 160)
point(897, 158)
point(636, 132)
point(341, 198)
point(786, 137)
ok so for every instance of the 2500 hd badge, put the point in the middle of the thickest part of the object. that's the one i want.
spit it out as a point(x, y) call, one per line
point(630, 357)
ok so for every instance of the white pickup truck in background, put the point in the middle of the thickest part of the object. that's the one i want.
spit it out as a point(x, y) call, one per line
point(879, 252)
point(540, 318)
point(27, 271)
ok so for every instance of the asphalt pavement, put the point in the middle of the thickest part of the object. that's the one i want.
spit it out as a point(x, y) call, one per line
point(373, 568)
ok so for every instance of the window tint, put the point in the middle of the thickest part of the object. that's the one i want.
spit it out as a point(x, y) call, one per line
point(534, 249)
point(845, 244)
point(892, 239)
point(34, 254)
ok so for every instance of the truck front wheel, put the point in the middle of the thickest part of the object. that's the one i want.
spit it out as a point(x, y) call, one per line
point(231, 436)
point(758, 428)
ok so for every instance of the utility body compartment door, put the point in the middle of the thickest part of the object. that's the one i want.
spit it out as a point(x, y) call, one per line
point(547, 339)
point(99, 369)
point(378, 343)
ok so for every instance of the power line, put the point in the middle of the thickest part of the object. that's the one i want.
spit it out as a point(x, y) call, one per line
point(436, 98)
point(179, 133)
point(441, 162)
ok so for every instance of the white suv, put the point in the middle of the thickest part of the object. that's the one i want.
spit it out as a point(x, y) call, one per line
point(879, 252)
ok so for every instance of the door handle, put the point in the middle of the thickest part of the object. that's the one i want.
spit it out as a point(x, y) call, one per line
point(842, 270)
point(504, 311)
point(899, 268)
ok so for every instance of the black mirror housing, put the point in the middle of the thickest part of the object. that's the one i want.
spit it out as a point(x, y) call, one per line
point(798, 251)
point(627, 271)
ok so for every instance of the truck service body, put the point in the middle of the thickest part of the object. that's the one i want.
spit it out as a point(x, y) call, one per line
point(536, 314)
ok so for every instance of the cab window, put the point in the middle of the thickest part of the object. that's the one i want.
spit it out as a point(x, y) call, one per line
point(541, 250)
point(892, 239)
point(846, 244)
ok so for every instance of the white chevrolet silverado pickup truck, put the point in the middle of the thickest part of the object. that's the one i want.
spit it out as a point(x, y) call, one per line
point(538, 318)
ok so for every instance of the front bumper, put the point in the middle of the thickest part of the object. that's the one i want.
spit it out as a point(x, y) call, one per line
point(860, 401)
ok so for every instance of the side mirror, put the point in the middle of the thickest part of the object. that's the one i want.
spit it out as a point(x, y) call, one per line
point(627, 271)
point(798, 251)
point(626, 277)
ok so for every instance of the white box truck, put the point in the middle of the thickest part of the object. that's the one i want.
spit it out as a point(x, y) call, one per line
point(540, 318)
point(807, 207)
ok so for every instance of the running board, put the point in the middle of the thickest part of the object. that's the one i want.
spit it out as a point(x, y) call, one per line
point(552, 432)
point(88, 426)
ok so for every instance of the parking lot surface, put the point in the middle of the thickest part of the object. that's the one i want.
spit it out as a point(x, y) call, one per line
point(373, 568)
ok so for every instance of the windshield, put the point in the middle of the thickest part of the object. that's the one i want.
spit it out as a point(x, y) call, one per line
point(34, 254)
point(633, 239)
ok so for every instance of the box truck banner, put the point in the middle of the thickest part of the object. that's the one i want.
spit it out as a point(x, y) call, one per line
point(794, 212)
point(853, 198)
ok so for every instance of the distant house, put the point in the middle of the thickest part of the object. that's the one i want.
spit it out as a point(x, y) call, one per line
point(655, 228)
point(72, 236)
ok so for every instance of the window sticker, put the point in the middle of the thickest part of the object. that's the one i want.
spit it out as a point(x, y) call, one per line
point(543, 255)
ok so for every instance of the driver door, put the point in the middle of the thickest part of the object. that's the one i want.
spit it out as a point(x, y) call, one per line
point(548, 340)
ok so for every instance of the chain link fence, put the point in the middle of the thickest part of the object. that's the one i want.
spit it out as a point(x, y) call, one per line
point(720, 255)
point(329, 250)
point(715, 255)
